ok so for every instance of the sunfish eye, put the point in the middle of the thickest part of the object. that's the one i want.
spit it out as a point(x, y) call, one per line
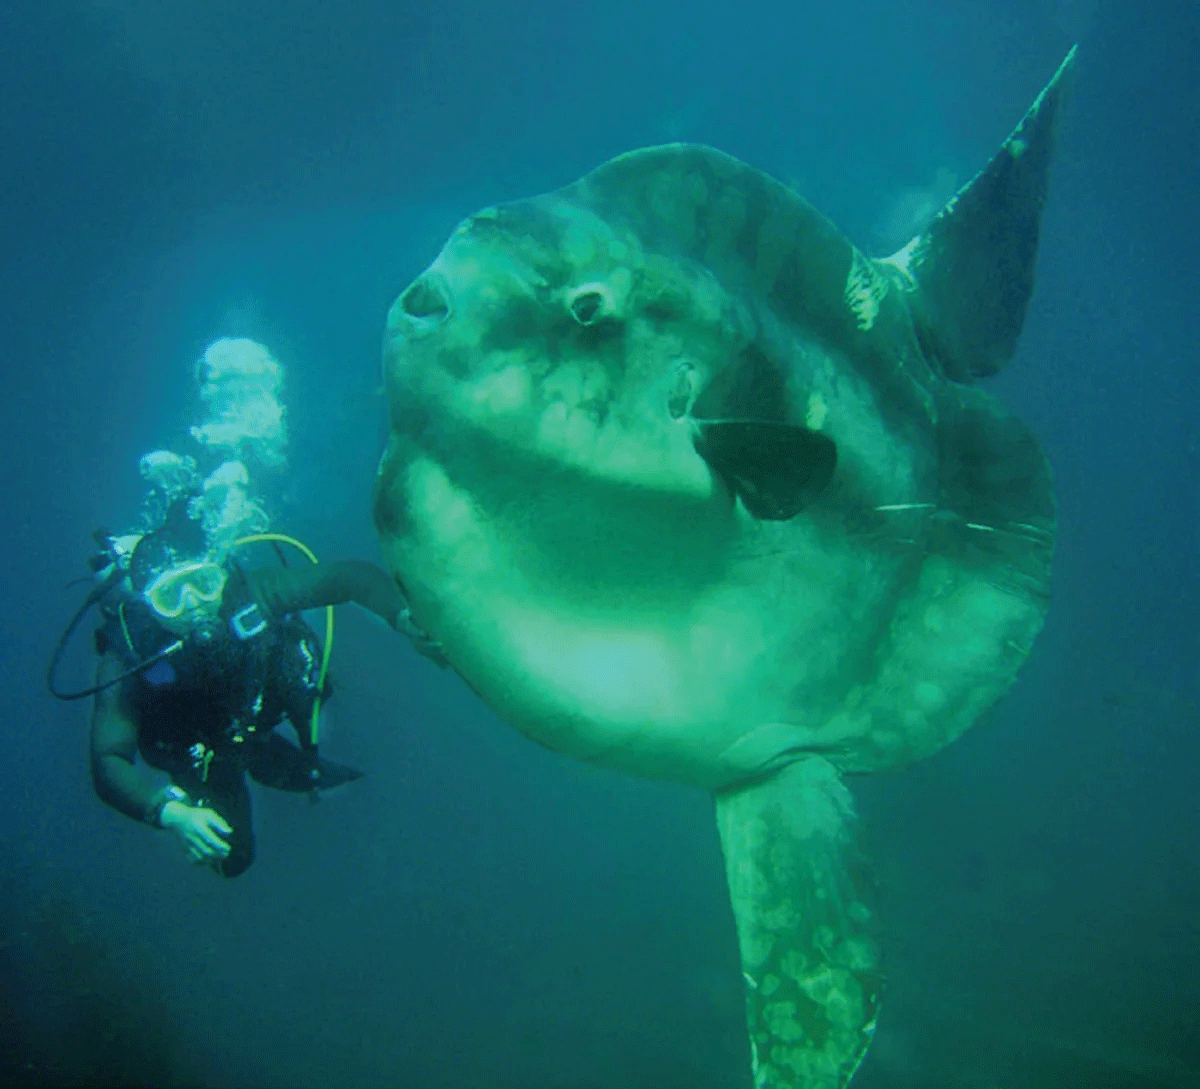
point(589, 303)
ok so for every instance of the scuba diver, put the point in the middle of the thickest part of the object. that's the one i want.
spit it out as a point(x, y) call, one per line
point(200, 660)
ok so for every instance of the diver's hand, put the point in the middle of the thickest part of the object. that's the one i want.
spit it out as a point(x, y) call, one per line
point(421, 642)
point(201, 831)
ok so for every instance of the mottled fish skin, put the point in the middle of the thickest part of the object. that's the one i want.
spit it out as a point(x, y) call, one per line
point(589, 393)
point(604, 509)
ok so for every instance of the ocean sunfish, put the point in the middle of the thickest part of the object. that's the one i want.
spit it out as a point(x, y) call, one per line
point(683, 484)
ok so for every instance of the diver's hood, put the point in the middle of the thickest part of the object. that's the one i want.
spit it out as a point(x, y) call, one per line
point(180, 539)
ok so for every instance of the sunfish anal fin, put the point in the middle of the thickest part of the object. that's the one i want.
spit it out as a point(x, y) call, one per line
point(801, 891)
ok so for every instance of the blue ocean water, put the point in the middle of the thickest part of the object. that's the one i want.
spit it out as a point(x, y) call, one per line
point(477, 911)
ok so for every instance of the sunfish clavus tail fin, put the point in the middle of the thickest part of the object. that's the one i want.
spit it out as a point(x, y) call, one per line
point(971, 272)
point(802, 893)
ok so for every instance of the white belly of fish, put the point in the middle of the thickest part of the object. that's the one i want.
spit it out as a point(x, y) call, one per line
point(661, 688)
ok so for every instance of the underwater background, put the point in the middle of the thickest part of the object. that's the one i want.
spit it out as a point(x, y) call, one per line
point(478, 912)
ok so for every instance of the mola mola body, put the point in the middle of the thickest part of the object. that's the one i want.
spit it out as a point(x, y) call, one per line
point(685, 485)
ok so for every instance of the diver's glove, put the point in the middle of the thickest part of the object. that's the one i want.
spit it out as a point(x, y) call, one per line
point(201, 831)
point(421, 641)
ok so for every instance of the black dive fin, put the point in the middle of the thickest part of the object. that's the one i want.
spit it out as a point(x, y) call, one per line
point(972, 270)
point(334, 775)
point(776, 469)
point(276, 762)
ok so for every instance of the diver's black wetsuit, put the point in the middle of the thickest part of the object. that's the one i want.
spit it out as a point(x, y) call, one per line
point(206, 714)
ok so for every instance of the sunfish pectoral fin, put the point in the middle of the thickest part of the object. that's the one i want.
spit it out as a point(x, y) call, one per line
point(972, 271)
point(776, 469)
point(801, 895)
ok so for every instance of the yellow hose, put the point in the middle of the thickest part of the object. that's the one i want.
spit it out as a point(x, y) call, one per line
point(314, 726)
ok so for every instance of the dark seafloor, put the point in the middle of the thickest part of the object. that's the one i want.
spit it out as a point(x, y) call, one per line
point(478, 912)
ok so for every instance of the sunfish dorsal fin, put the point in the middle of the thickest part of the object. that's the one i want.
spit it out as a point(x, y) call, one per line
point(971, 272)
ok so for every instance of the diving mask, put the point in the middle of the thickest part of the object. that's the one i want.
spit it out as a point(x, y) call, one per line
point(186, 588)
